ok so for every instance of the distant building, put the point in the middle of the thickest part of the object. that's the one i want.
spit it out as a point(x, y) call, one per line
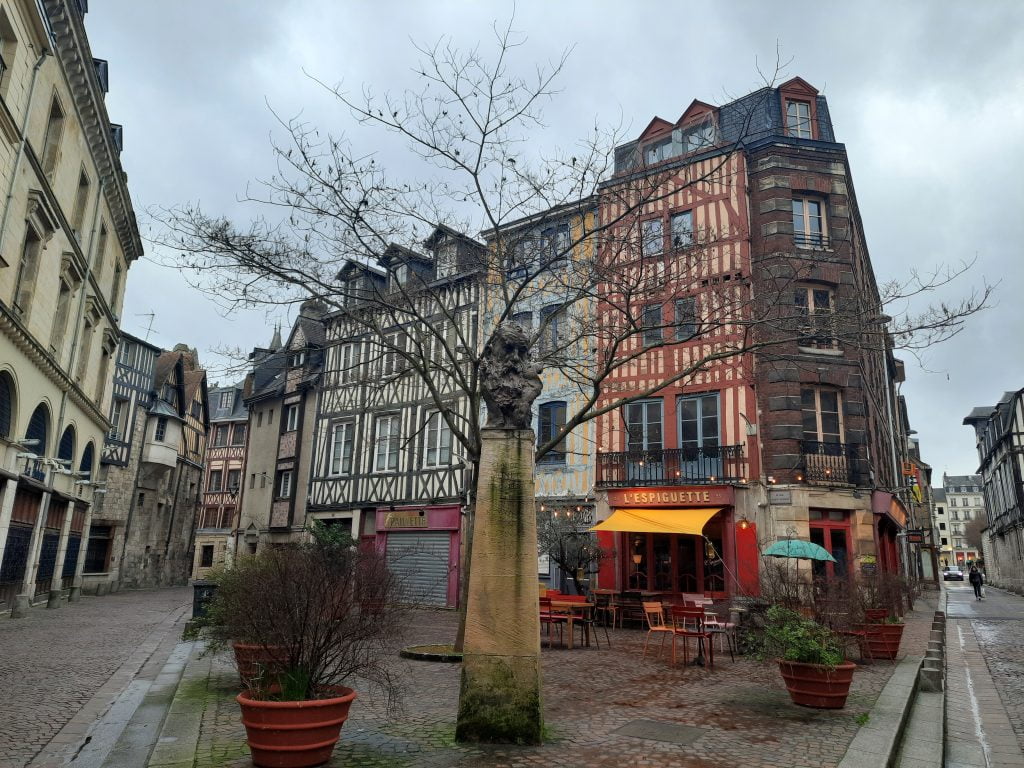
point(222, 488)
point(999, 434)
point(965, 502)
point(152, 469)
point(280, 395)
point(68, 235)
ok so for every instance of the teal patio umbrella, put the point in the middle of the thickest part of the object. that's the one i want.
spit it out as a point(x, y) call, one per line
point(798, 549)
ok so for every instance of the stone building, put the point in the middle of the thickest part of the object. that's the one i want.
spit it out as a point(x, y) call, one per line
point(67, 238)
point(152, 468)
point(965, 501)
point(281, 396)
point(999, 435)
point(222, 487)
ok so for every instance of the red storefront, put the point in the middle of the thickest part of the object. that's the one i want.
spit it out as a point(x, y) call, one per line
point(421, 546)
point(890, 519)
point(678, 539)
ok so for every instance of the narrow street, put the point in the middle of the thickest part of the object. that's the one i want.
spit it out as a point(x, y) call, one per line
point(62, 670)
point(985, 675)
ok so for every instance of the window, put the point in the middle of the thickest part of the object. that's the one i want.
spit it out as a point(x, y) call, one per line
point(446, 258)
point(284, 484)
point(399, 278)
point(652, 237)
point(220, 435)
point(349, 362)
point(101, 250)
point(238, 434)
point(291, 416)
point(8, 52)
point(216, 484)
point(28, 267)
point(341, 448)
point(524, 320)
point(651, 324)
point(798, 119)
point(952, 501)
point(227, 399)
point(438, 451)
point(808, 222)
point(252, 481)
point(954, 515)
point(206, 556)
point(115, 287)
point(386, 443)
point(297, 360)
point(822, 420)
point(84, 352)
point(81, 198)
point(270, 417)
point(815, 308)
point(117, 419)
point(686, 318)
point(698, 423)
point(643, 426)
point(700, 136)
point(555, 244)
point(551, 319)
point(550, 421)
point(51, 139)
point(259, 419)
point(681, 226)
point(161, 429)
point(60, 318)
point(945, 541)
point(942, 526)
point(234, 480)
point(661, 150)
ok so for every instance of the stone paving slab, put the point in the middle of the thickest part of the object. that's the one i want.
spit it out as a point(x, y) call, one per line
point(742, 709)
point(61, 670)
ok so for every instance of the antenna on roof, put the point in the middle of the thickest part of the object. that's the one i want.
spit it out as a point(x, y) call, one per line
point(151, 316)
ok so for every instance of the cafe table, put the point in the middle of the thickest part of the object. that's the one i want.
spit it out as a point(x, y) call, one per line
point(570, 607)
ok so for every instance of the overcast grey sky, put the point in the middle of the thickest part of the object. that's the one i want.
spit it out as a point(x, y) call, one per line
point(928, 98)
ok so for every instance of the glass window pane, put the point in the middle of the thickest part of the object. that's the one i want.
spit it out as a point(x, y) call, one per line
point(829, 401)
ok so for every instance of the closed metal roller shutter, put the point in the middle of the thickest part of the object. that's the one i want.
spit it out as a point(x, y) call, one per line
point(420, 561)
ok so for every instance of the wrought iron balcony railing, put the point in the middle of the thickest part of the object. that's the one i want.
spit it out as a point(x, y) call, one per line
point(830, 463)
point(811, 239)
point(671, 466)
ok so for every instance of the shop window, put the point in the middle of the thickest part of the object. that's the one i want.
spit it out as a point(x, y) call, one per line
point(97, 553)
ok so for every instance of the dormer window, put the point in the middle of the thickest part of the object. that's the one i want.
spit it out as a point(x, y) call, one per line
point(399, 277)
point(658, 151)
point(699, 136)
point(298, 359)
point(446, 259)
point(798, 119)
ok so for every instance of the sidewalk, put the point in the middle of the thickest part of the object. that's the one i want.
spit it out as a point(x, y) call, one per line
point(606, 707)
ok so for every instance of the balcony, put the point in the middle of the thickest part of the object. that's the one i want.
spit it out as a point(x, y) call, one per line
point(811, 240)
point(830, 463)
point(672, 466)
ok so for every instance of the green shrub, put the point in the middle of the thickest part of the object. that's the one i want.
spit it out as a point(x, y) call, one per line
point(789, 636)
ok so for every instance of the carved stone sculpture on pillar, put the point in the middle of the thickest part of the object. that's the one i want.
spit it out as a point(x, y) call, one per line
point(499, 700)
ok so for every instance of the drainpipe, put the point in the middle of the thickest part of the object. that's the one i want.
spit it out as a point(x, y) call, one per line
point(21, 146)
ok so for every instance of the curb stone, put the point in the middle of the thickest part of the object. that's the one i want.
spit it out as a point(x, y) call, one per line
point(877, 741)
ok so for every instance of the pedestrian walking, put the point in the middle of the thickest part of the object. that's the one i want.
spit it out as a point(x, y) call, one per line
point(976, 580)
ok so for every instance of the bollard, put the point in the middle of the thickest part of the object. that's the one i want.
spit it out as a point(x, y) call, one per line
point(19, 608)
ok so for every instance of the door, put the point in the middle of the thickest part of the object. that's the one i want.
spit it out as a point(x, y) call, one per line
point(644, 442)
point(420, 562)
point(831, 530)
point(699, 442)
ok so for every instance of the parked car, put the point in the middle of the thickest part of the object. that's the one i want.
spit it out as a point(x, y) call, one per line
point(952, 573)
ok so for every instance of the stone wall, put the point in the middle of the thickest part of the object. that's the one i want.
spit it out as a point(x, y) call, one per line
point(1004, 560)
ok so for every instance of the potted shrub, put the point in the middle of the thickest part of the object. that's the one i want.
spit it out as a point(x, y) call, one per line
point(810, 658)
point(326, 611)
point(883, 639)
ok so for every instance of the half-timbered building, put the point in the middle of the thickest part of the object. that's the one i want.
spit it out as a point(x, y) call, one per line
point(222, 486)
point(746, 214)
point(386, 465)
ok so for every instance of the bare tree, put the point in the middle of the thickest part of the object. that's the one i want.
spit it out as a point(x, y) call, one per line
point(564, 535)
point(339, 227)
point(973, 533)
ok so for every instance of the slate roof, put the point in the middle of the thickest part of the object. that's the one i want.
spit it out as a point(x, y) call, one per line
point(939, 495)
point(236, 412)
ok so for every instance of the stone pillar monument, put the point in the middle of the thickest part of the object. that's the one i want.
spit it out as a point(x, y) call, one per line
point(499, 700)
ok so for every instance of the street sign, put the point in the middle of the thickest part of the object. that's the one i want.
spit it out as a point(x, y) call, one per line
point(780, 496)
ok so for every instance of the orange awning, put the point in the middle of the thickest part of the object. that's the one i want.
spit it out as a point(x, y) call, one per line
point(688, 521)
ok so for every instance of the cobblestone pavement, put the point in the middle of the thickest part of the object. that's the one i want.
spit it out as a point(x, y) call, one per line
point(741, 711)
point(53, 662)
point(995, 626)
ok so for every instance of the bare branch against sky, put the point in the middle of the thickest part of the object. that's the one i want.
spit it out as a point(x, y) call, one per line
point(930, 106)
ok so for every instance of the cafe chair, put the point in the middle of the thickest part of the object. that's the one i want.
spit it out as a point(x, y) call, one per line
point(723, 630)
point(655, 618)
point(605, 608)
point(549, 618)
point(687, 623)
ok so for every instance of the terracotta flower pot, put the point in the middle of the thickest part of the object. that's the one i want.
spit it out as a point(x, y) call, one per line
point(294, 734)
point(255, 661)
point(883, 640)
point(817, 685)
